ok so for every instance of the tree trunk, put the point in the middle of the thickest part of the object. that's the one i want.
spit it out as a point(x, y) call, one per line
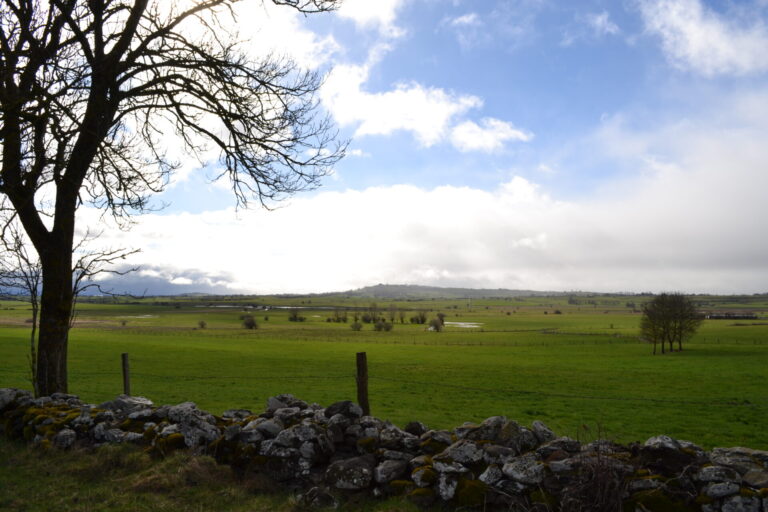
point(55, 312)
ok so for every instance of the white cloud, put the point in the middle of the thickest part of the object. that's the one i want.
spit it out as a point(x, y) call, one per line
point(601, 24)
point(696, 38)
point(424, 111)
point(271, 29)
point(469, 19)
point(379, 14)
point(491, 136)
point(690, 219)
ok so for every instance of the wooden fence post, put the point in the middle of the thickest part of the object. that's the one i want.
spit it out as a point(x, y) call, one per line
point(126, 375)
point(362, 383)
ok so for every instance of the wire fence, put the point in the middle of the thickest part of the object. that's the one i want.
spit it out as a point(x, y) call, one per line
point(426, 387)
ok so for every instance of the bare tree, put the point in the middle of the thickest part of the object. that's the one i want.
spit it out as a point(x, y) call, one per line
point(89, 89)
point(93, 263)
point(669, 318)
point(21, 273)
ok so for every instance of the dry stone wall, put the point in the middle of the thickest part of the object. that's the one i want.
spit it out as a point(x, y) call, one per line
point(326, 453)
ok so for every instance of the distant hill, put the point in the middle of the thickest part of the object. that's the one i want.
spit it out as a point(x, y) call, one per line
point(412, 291)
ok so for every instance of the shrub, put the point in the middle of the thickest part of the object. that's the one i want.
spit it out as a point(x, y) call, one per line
point(420, 318)
point(294, 316)
point(381, 325)
point(356, 326)
point(249, 322)
point(202, 324)
point(436, 325)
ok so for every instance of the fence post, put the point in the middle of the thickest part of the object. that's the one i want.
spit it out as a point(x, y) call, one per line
point(126, 375)
point(362, 383)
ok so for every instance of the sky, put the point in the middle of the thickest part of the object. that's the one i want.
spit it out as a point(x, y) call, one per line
point(614, 146)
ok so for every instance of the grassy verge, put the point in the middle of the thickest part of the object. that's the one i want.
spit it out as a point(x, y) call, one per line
point(125, 479)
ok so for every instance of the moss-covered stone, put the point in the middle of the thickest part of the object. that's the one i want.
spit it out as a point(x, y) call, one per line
point(424, 476)
point(704, 499)
point(470, 493)
point(367, 444)
point(432, 446)
point(422, 497)
point(169, 444)
point(130, 425)
point(656, 500)
point(400, 487)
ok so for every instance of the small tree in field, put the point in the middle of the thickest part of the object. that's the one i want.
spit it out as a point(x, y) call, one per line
point(249, 322)
point(668, 319)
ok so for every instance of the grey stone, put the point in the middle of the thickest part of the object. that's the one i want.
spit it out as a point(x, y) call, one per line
point(691, 447)
point(393, 438)
point(420, 461)
point(389, 470)
point(317, 497)
point(64, 438)
point(739, 458)
point(274, 403)
point(416, 428)
point(232, 432)
point(721, 489)
point(756, 478)
point(424, 476)
point(269, 428)
point(740, 504)
point(561, 466)
point(511, 486)
point(10, 395)
point(291, 401)
point(396, 455)
point(133, 437)
point(271, 449)
point(448, 465)
point(717, 474)
point(169, 429)
point(351, 474)
point(296, 435)
point(491, 475)
point(643, 484)
point(84, 420)
point(198, 427)
point(127, 404)
point(542, 432)
point(346, 408)
point(446, 486)
point(525, 469)
point(565, 444)
point(464, 452)
point(662, 442)
point(236, 414)
point(287, 415)
point(488, 430)
point(497, 454)
point(436, 437)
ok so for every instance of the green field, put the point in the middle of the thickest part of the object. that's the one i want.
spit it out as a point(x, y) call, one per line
point(582, 371)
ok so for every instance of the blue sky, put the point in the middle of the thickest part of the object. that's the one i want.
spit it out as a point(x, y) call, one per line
point(581, 145)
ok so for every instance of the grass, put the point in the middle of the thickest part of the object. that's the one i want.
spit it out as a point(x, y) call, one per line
point(125, 479)
point(580, 372)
